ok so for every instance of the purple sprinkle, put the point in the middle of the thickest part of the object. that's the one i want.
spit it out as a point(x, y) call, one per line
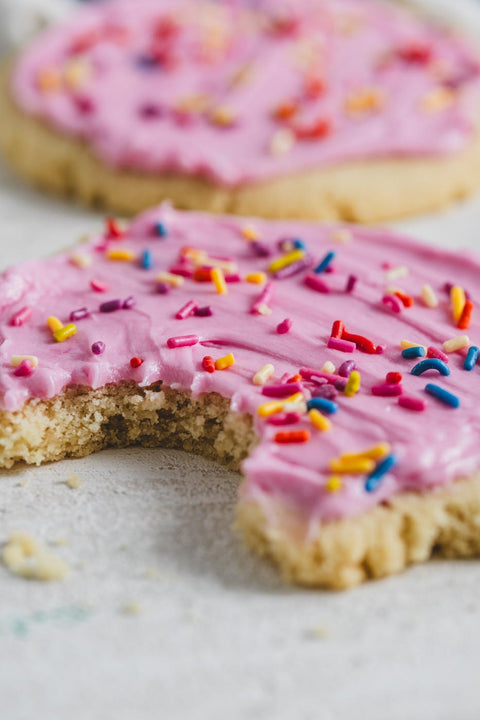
point(260, 249)
point(129, 302)
point(448, 287)
point(346, 368)
point(162, 288)
point(79, 314)
point(98, 347)
point(327, 391)
point(351, 282)
point(150, 111)
point(340, 384)
point(205, 311)
point(84, 105)
point(293, 269)
point(111, 306)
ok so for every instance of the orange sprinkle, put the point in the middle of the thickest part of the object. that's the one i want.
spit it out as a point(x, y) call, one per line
point(295, 379)
point(466, 315)
point(285, 111)
point(292, 436)
point(407, 300)
point(202, 275)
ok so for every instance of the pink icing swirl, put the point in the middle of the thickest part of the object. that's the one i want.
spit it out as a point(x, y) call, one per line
point(243, 91)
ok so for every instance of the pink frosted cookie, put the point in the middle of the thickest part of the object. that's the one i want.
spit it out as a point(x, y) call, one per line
point(335, 359)
point(350, 109)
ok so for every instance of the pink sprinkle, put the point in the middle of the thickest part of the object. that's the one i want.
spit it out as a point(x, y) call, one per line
point(393, 302)
point(284, 418)
point(187, 310)
point(433, 352)
point(351, 282)
point(232, 278)
point(387, 390)
point(285, 377)
point(99, 286)
point(319, 377)
point(263, 299)
point(315, 283)
point(284, 326)
point(412, 403)
point(21, 316)
point(280, 391)
point(25, 369)
point(342, 345)
point(380, 349)
point(183, 341)
point(182, 271)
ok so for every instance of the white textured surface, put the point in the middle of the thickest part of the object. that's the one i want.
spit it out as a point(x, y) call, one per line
point(219, 636)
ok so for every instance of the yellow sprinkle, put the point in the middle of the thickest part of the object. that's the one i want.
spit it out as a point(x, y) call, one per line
point(353, 384)
point(355, 466)
point(81, 260)
point(223, 116)
point(457, 298)
point(334, 483)
point(121, 254)
point(270, 408)
point(282, 142)
point(374, 453)
point(297, 397)
point(250, 233)
point(224, 362)
point(343, 236)
point(286, 260)
point(54, 324)
point(397, 273)
point(76, 73)
point(404, 344)
point(16, 360)
point(456, 343)
point(218, 279)
point(328, 367)
point(257, 278)
point(170, 279)
point(318, 420)
point(65, 332)
point(227, 266)
point(197, 256)
point(264, 374)
point(364, 101)
point(429, 297)
point(437, 99)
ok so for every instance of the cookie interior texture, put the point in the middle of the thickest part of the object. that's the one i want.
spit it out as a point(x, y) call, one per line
point(408, 529)
point(361, 191)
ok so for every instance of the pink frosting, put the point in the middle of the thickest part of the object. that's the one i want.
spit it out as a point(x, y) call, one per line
point(432, 447)
point(359, 74)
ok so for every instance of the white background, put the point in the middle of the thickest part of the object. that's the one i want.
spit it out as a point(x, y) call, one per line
point(218, 635)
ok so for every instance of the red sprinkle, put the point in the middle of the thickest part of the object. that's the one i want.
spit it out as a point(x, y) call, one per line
point(466, 315)
point(362, 343)
point(135, 362)
point(313, 131)
point(208, 364)
point(202, 275)
point(112, 229)
point(284, 326)
point(314, 87)
point(406, 299)
point(293, 436)
point(284, 418)
point(338, 328)
point(416, 53)
point(393, 378)
point(387, 390)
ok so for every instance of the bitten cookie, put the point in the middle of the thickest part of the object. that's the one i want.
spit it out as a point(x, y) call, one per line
point(350, 109)
point(334, 359)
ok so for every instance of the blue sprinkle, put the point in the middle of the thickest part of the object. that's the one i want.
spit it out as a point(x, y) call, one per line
point(472, 357)
point(324, 264)
point(442, 395)
point(431, 364)
point(413, 352)
point(298, 244)
point(375, 477)
point(146, 260)
point(161, 229)
point(322, 404)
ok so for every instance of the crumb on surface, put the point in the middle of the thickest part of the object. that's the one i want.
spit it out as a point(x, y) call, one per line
point(132, 608)
point(74, 481)
point(23, 556)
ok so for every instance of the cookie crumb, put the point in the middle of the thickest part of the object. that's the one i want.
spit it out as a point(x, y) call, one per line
point(132, 608)
point(319, 632)
point(74, 481)
point(26, 558)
